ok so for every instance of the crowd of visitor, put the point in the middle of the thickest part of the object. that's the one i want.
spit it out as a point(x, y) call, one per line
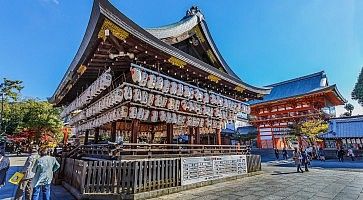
point(38, 175)
point(302, 157)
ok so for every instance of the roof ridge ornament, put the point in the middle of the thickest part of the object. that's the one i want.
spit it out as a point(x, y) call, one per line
point(194, 10)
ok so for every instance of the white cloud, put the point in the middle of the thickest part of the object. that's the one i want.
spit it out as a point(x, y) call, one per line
point(51, 1)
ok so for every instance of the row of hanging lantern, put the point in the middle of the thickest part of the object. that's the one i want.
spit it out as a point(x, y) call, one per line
point(154, 92)
point(102, 82)
point(179, 88)
point(144, 114)
point(148, 99)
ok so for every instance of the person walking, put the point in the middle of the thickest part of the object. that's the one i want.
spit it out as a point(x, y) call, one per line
point(340, 154)
point(277, 153)
point(351, 154)
point(305, 159)
point(321, 154)
point(4, 167)
point(296, 156)
point(25, 184)
point(43, 168)
point(284, 153)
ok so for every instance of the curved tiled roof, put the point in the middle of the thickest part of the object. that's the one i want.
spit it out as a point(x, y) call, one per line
point(308, 84)
point(345, 127)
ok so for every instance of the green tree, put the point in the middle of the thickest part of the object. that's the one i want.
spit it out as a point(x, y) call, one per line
point(349, 107)
point(42, 118)
point(357, 93)
point(11, 89)
point(312, 128)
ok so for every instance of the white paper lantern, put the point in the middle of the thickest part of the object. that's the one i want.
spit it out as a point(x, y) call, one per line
point(173, 88)
point(162, 116)
point(144, 97)
point(135, 74)
point(171, 103)
point(144, 79)
point(159, 83)
point(133, 113)
point(150, 99)
point(154, 116)
point(151, 81)
point(127, 93)
point(137, 95)
point(166, 86)
point(180, 89)
point(186, 92)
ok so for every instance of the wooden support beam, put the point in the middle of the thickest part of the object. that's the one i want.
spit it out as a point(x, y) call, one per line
point(113, 131)
point(152, 134)
point(169, 133)
point(218, 136)
point(197, 135)
point(97, 135)
point(135, 127)
point(191, 134)
point(86, 135)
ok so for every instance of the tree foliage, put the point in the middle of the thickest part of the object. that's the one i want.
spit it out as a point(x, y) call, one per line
point(11, 89)
point(309, 128)
point(357, 93)
point(32, 115)
point(32, 119)
point(349, 107)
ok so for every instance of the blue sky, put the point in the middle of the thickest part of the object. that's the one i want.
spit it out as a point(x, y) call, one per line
point(263, 41)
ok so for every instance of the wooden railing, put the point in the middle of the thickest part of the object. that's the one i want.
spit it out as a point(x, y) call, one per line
point(122, 177)
point(134, 151)
point(106, 179)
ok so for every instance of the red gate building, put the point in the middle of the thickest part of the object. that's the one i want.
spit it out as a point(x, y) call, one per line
point(290, 101)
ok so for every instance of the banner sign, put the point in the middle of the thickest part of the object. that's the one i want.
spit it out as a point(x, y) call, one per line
point(198, 169)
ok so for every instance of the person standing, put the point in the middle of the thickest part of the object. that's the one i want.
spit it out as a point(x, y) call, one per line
point(284, 153)
point(351, 154)
point(4, 167)
point(43, 168)
point(321, 154)
point(277, 153)
point(305, 159)
point(297, 158)
point(25, 184)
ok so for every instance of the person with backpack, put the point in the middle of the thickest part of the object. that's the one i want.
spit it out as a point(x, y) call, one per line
point(25, 184)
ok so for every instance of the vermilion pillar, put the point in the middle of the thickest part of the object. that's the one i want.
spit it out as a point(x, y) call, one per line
point(219, 138)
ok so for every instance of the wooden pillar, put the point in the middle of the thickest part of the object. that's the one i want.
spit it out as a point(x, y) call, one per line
point(259, 145)
point(191, 134)
point(197, 135)
point(86, 135)
point(113, 131)
point(135, 130)
point(218, 136)
point(152, 134)
point(97, 135)
point(169, 133)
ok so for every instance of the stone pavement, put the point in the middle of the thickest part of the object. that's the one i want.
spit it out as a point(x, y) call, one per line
point(283, 183)
point(7, 192)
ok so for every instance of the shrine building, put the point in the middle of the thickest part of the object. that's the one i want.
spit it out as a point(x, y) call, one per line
point(150, 85)
point(302, 98)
